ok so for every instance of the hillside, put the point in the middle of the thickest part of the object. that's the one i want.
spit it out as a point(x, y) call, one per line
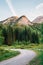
point(38, 20)
point(9, 20)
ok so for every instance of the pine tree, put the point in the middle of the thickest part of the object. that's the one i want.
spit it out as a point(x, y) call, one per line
point(10, 35)
point(4, 33)
point(42, 32)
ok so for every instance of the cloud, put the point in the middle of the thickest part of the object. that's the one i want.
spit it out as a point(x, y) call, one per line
point(37, 11)
point(11, 7)
point(39, 8)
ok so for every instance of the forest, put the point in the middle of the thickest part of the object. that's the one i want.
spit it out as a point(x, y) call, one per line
point(9, 34)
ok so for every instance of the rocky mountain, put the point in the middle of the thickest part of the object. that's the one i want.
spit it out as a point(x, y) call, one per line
point(38, 20)
point(23, 20)
point(10, 20)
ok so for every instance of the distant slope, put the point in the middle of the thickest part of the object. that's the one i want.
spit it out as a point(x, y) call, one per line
point(38, 20)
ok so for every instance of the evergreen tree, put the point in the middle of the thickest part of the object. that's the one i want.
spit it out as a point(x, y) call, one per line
point(42, 32)
point(10, 35)
point(16, 33)
point(35, 37)
point(4, 33)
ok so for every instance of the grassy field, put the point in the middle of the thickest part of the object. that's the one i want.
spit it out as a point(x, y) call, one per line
point(6, 54)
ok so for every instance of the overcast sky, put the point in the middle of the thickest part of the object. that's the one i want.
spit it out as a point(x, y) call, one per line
point(30, 8)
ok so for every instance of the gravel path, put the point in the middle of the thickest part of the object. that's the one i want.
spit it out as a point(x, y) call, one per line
point(22, 59)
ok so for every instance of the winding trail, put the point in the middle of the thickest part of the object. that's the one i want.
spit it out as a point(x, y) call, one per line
point(22, 59)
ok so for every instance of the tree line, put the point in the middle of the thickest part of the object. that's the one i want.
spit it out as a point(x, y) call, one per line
point(12, 34)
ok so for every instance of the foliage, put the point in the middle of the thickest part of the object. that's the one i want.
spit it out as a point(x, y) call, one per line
point(42, 33)
point(38, 60)
point(13, 33)
point(4, 33)
point(9, 35)
point(6, 54)
point(1, 40)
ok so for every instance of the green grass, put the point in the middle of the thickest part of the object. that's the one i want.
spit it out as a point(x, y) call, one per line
point(24, 46)
point(38, 60)
point(20, 46)
point(6, 54)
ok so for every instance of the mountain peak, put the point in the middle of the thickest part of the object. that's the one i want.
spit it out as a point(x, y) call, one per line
point(23, 20)
point(23, 16)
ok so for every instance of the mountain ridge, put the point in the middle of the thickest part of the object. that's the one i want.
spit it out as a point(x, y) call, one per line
point(23, 20)
point(38, 20)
